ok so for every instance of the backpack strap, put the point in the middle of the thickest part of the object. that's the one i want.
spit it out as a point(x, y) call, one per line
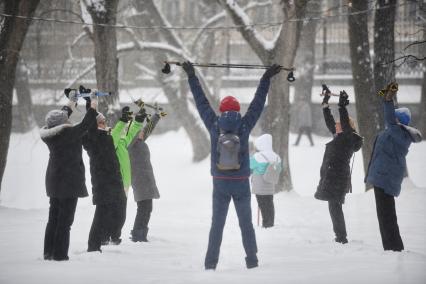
point(265, 158)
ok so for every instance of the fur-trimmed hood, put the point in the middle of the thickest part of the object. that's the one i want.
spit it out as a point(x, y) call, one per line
point(46, 133)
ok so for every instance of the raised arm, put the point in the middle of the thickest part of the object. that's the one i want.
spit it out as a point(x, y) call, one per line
point(257, 104)
point(388, 105)
point(149, 127)
point(329, 119)
point(389, 112)
point(87, 122)
point(206, 112)
point(133, 131)
point(117, 130)
point(343, 112)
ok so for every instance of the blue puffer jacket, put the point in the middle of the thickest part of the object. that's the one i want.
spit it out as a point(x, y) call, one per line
point(230, 121)
point(387, 165)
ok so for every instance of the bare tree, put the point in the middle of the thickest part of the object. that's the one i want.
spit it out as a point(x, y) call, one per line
point(171, 87)
point(422, 121)
point(23, 95)
point(281, 50)
point(12, 35)
point(366, 97)
point(384, 50)
point(106, 59)
point(305, 57)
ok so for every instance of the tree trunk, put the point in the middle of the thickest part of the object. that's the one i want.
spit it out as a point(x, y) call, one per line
point(23, 94)
point(176, 98)
point(277, 115)
point(384, 51)
point(105, 46)
point(12, 35)
point(196, 133)
point(276, 120)
point(305, 57)
point(422, 108)
point(363, 78)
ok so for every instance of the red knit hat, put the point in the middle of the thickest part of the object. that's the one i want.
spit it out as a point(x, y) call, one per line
point(229, 103)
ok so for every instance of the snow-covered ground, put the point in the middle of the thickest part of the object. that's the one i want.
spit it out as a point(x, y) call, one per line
point(299, 249)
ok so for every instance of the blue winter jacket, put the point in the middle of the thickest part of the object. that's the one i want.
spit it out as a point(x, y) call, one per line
point(387, 165)
point(230, 121)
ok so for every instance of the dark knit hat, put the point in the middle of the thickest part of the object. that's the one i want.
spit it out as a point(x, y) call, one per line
point(229, 103)
point(56, 117)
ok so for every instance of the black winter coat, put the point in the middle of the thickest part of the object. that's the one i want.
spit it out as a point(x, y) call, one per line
point(335, 170)
point(65, 174)
point(107, 184)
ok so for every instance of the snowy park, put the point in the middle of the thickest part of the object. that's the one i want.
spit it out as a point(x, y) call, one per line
point(199, 141)
point(298, 249)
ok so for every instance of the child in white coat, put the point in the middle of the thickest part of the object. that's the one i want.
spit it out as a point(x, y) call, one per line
point(263, 186)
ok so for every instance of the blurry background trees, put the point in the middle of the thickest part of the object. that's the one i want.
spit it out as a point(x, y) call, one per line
point(127, 61)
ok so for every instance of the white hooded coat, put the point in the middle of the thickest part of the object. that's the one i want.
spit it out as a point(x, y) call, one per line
point(262, 158)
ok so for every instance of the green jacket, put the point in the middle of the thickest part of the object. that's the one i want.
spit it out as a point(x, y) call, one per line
point(121, 142)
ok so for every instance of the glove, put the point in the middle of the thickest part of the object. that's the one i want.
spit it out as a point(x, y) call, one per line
point(189, 69)
point(391, 91)
point(343, 99)
point(88, 102)
point(125, 114)
point(272, 71)
point(71, 95)
point(326, 93)
point(141, 115)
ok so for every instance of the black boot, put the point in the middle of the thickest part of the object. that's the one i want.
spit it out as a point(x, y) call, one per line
point(139, 235)
point(342, 240)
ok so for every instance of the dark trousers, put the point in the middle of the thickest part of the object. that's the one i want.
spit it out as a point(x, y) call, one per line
point(143, 214)
point(266, 205)
point(308, 131)
point(57, 235)
point(337, 218)
point(388, 224)
point(117, 218)
point(223, 192)
point(100, 225)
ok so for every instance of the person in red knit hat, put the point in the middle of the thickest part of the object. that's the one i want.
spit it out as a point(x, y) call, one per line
point(229, 103)
point(230, 164)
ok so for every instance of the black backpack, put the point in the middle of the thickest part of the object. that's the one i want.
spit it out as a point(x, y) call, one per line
point(228, 151)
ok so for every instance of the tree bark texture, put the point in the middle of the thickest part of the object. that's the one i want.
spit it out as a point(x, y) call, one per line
point(276, 120)
point(12, 35)
point(106, 59)
point(176, 98)
point(422, 122)
point(422, 108)
point(363, 81)
point(384, 51)
point(23, 94)
point(305, 56)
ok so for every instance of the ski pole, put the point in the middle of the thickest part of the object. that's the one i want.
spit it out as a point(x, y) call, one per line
point(290, 77)
point(258, 216)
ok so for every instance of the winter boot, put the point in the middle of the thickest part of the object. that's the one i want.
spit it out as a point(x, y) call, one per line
point(139, 235)
point(252, 262)
point(105, 241)
point(116, 241)
point(91, 249)
point(342, 240)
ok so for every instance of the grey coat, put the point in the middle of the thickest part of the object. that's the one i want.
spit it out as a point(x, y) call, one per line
point(143, 180)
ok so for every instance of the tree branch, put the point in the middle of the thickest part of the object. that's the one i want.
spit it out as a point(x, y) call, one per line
point(254, 39)
point(220, 16)
point(415, 43)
